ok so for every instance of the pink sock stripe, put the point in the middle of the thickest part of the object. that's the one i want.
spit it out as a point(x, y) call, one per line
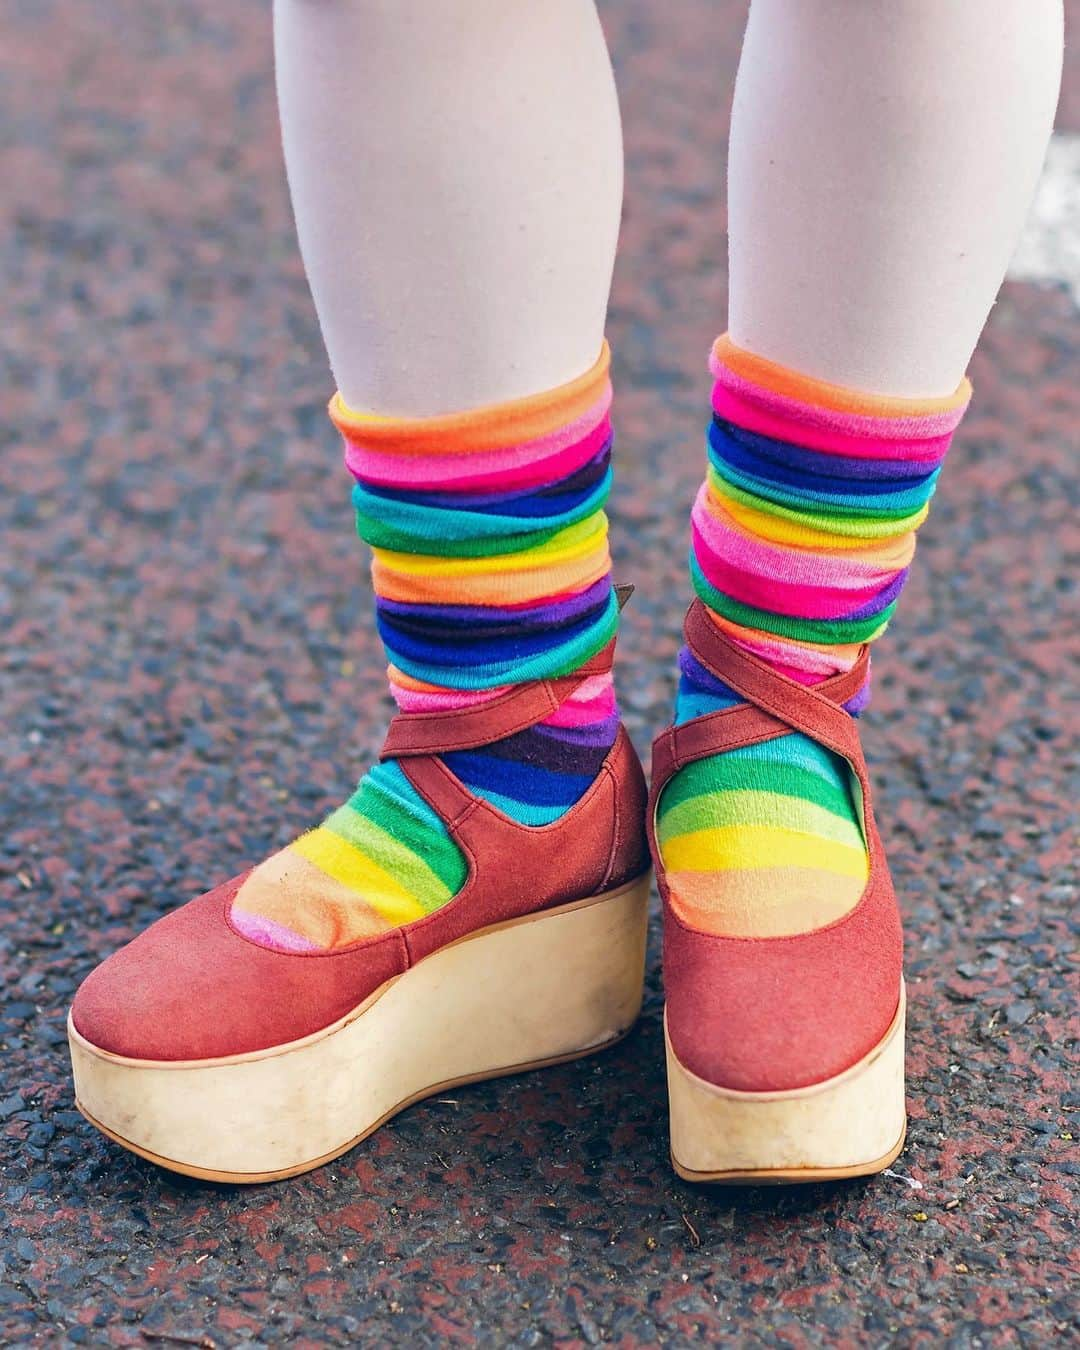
point(526, 464)
point(813, 601)
point(807, 665)
point(592, 701)
point(846, 570)
point(439, 700)
point(267, 933)
point(494, 470)
point(833, 433)
point(800, 676)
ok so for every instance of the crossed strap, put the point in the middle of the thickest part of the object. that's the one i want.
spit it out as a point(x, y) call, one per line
point(517, 708)
point(774, 706)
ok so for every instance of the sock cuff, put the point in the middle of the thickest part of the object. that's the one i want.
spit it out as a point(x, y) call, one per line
point(729, 364)
point(492, 427)
point(490, 560)
point(803, 533)
point(772, 402)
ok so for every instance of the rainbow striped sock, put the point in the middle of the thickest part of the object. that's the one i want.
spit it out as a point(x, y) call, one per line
point(802, 536)
point(490, 567)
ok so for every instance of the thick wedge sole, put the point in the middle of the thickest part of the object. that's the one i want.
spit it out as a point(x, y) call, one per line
point(536, 991)
point(849, 1126)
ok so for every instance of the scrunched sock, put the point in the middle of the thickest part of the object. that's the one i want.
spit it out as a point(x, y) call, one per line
point(490, 567)
point(801, 539)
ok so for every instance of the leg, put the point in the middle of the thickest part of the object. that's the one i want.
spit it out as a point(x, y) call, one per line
point(882, 158)
point(456, 174)
point(456, 171)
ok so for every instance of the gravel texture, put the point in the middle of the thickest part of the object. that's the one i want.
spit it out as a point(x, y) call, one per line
point(189, 675)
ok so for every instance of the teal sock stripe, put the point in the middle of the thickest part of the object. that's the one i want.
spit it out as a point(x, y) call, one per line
point(412, 527)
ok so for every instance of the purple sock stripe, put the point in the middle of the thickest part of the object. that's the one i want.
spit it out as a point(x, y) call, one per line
point(586, 476)
point(593, 734)
point(267, 933)
point(483, 472)
point(528, 751)
point(883, 599)
point(696, 673)
point(828, 466)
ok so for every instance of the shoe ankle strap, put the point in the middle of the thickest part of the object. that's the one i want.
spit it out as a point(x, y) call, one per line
point(759, 683)
point(775, 705)
point(521, 706)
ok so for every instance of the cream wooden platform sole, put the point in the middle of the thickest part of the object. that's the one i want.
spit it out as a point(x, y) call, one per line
point(535, 991)
point(849, 1126)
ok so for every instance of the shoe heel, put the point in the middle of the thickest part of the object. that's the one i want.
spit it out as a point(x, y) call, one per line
point(535, 991)
point(849, 1126)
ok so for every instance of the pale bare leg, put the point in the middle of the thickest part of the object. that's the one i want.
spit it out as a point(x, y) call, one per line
point(883, 156)
point(456, 174)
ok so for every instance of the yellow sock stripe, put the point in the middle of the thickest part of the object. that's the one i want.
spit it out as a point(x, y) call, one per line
point(393, 857)
point(338, 859)
point(498, 588)
point(892, 552)
point(781, 530)
point(735, 847)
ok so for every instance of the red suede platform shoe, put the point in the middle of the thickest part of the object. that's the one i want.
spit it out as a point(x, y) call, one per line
point(785, 1054)
point(213, 1056)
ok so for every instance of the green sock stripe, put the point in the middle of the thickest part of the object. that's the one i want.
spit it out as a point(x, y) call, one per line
point(721, 808)
point(783, 625)
point(720, 774)
point(405, 864)
point(429, 842)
